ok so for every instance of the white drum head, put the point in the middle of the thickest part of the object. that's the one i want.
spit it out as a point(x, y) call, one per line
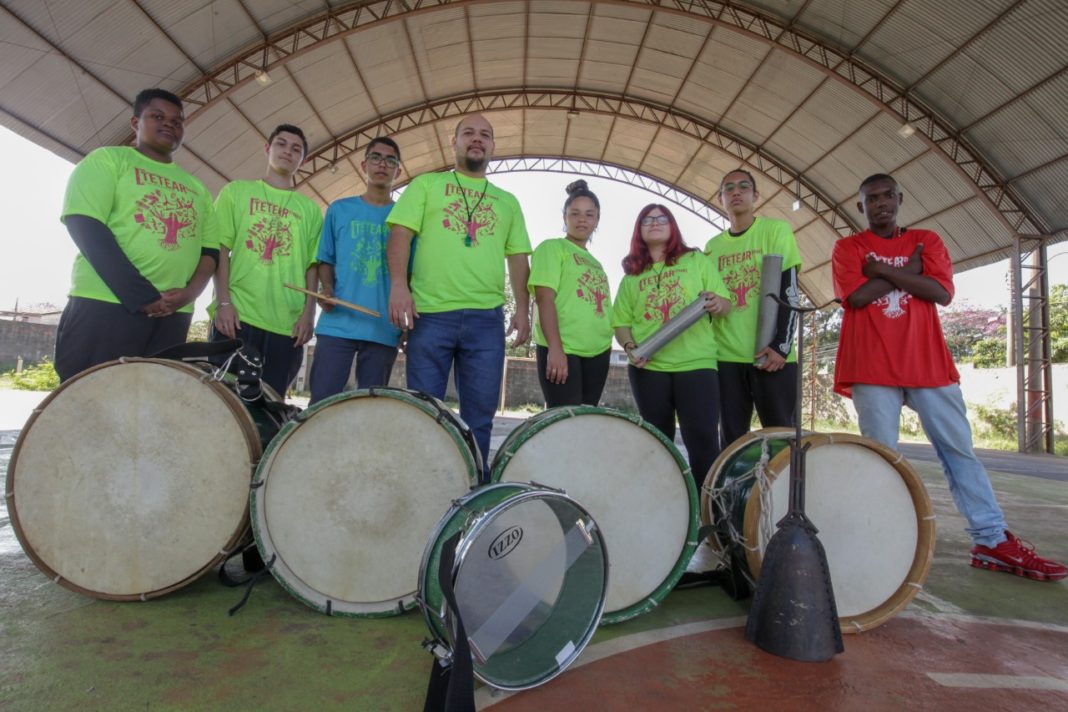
point(132, 478)
point(874, 521)
point(633, 485)
point(350, 492)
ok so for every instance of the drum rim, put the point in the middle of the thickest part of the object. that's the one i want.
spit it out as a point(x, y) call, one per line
point(252, 439)
point(477, 522)
point(925, 528)
point(529, 427)
point(282, 572)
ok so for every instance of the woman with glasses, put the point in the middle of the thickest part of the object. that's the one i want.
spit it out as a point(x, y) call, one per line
point(662, 277)
point(573, 332)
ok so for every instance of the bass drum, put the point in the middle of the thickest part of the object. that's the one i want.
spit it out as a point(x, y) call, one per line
point(348, 492)
point(131, 479)
point(872, 511)
point(634, 482)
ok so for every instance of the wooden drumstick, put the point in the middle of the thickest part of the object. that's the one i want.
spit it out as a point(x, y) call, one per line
point(335, 300)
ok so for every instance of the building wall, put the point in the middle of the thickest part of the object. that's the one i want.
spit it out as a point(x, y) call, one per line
point(33, 342)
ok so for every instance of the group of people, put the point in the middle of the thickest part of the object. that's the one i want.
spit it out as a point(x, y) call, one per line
point(433, 265)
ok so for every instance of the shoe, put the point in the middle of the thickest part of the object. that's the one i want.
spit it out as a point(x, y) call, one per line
point(1018, 557)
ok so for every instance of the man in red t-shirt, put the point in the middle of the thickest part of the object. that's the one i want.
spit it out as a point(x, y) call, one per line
point(892, 352)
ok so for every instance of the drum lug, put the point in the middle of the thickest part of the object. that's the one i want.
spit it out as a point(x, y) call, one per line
point(586, 528)
point(439, 651)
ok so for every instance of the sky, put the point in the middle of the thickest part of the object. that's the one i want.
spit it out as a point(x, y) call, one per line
point(36, 254)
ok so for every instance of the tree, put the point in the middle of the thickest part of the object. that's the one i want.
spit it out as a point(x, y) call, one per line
point(965, 325)
point(1058, 322)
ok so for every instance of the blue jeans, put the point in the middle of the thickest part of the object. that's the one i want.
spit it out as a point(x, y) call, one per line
point(332, 362)
point(472, 340)
point(945, 420)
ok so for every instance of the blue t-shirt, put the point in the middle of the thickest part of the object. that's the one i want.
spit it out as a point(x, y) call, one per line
point(354, 241)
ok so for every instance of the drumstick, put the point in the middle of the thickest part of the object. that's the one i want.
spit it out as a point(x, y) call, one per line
point(334, 300)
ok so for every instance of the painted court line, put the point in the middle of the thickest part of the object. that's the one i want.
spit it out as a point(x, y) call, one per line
point(486, 696)
point(999, 682)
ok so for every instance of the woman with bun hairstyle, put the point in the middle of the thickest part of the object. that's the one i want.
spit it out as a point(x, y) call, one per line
point(662, 277)
point(573, 331)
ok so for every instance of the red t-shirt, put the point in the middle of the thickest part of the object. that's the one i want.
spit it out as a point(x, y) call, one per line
point(897, 339)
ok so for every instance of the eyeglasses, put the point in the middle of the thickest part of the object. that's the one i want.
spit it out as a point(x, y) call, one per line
point(740, 185)
point(391, 161)
point(655, 220)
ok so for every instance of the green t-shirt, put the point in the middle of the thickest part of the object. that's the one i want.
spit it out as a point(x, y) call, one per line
point(462, 239)
point(161, 217)
point(738, 260)
point(583, 300)
point(644, 302)
point(273, 237)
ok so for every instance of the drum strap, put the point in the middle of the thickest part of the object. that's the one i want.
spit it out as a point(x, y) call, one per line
point(248, 582)
point(452, 685)
point(199, 350)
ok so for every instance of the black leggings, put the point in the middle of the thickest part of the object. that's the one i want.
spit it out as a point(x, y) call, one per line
point(694, 397)
point(586, 376)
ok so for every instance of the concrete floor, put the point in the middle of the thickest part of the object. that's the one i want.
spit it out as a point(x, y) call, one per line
point(972, 639)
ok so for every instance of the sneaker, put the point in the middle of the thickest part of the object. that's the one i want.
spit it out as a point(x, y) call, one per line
point(1017, 556)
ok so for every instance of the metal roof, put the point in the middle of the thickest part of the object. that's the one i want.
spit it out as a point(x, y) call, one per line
point(811, 95)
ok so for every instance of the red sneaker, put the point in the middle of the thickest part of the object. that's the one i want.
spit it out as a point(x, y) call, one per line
point(1017, 556)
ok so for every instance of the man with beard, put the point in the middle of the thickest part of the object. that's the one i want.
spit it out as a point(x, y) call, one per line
point(465, 229)
point(352, 266)
point(268, 234)
point(892, 352)
point(148, 243)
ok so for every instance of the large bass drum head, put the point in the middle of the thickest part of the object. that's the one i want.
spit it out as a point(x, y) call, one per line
point(874, 519)
point(132, 478)
point(348, 493)
point(633, 482)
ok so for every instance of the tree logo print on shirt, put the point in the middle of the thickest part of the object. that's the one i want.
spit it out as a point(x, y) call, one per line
point(165, 215)
point(894, 303)
point(483, 221)
point(665, 301)
point(368, 251)
point(593, 288)
point(741, 282)
point(269, 236)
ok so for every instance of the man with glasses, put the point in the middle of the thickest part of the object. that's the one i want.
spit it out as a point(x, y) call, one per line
point(268, 234)
point(352, 266)
point(467, 229)
point(765, 377)
point(147, 242)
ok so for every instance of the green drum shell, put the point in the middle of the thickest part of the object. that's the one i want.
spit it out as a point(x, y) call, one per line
point(608, 480)
point(471, 515)
point(728, 474)
point(453, 430)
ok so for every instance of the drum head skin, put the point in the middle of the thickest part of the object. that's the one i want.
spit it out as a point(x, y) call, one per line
point(530, 578)
point(634, 483)
point(874, 518)
point(132, 478)
point(348, 493)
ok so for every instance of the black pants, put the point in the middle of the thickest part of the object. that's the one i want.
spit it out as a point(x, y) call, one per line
point(694, 397)
point(281, 359)
point(586, 376)
point(92, 332)
point(742, 385)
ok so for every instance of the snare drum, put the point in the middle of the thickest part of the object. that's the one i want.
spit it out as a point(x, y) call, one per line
point(348, 492)
point(873, 514)
point(620, 468)
point(529, 578)
point(131, 479)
